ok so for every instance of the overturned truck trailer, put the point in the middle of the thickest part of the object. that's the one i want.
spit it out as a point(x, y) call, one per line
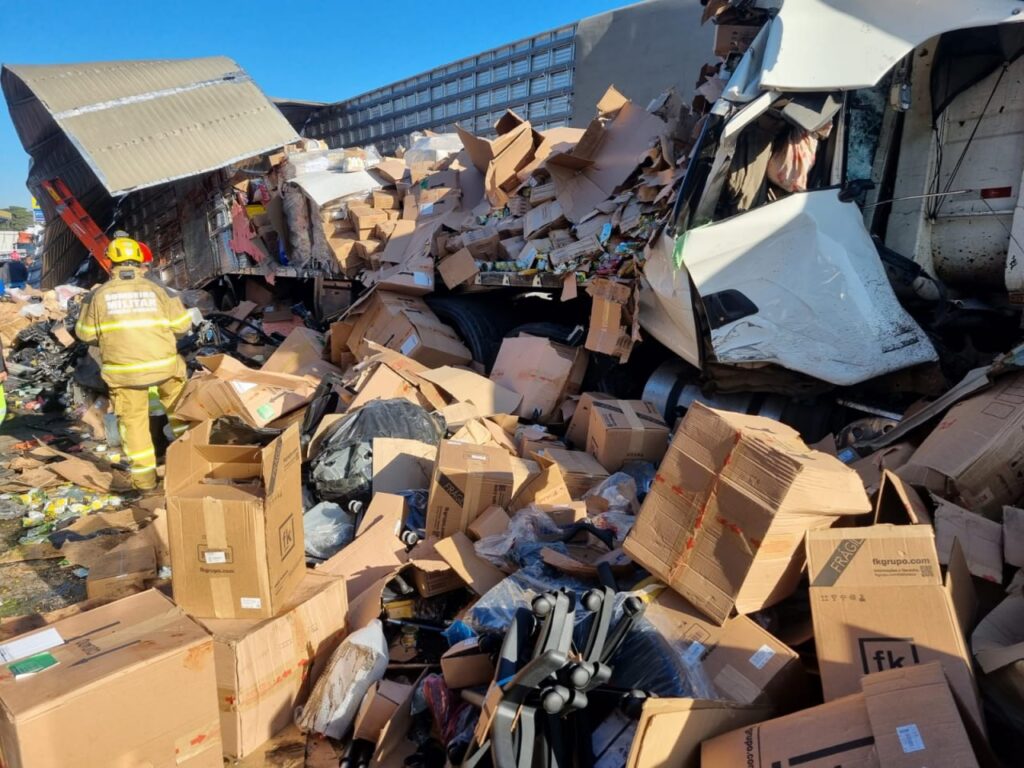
point(145, 146)
point(826, 174)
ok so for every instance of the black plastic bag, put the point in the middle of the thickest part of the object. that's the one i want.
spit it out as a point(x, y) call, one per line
point(342, 470)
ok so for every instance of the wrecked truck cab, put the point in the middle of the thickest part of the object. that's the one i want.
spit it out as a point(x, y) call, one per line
point(752, 273)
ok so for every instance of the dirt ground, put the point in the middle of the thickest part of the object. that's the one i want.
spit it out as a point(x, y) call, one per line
point(40, 585)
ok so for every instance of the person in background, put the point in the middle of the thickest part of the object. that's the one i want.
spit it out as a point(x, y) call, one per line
point(135, 323)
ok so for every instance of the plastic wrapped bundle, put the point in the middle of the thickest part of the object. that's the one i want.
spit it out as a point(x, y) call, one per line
point(342, 471)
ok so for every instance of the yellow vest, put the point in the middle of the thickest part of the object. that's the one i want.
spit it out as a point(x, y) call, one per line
point(135, 323)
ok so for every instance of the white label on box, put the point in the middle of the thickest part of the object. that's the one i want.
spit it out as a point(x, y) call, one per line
point(241, 387)
point(421, 278)
point(762, 656)
point(693, 654)
point(409, 345)
point(251, 603)
point(24, 647)
point(426, 208)
point(215, 556)
point(910, 738)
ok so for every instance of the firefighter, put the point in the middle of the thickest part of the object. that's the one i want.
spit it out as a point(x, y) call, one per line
point(134, 321)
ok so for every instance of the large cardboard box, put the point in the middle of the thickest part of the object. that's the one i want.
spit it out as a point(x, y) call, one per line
point(405, 324)
point(122, 571)
point(265, 667)
point(976, 451)
point(543, 372)
point(579, 425)
point(228, 388)
point(467, 480)
point(904, 717)
point(670, 731)
point(133, 685)
point(626, 430)
point(878, 602)
point(301, 354)
point(234, 517)
point(742, 661)
point(579, 470)
point(724, 521)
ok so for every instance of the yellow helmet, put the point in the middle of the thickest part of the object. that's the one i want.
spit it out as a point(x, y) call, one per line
point(123, 249)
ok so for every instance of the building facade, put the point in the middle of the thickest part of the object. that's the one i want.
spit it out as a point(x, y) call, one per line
point(553, 78)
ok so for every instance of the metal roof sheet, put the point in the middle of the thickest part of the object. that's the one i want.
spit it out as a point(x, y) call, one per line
point(141, 123)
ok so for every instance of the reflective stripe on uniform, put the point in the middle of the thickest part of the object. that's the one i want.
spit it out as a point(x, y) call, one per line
point(141, 454)
point(134, 325)
point(179, 429)
point(143, 470)
point(149, 365)
point(184, 320)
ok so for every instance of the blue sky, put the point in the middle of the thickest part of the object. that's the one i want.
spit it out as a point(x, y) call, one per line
point(318, 50)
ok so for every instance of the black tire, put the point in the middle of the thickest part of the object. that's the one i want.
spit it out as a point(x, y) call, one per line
point(481, 322)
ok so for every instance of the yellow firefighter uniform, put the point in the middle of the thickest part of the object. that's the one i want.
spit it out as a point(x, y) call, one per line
point(134, 321)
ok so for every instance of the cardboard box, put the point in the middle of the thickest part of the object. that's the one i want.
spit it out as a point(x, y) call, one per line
point(429, 572)
point(476, 573)
point(1013, 536)
point(998, 645)
point(500, 158)
point(904, 717)
point(575, 251)
point(482, 243)
point(878, 602)
point(542, 218)
point(133, 685)
point(579, 469)
point(613, 318)
point(467, 480)
point(234, 516)
point(981, 539)
point(122, 571)
point(626, 430)
point(734, 38)
point(228, 388)
point(401, 465)
point(405, 324)
point(301, 354)
point(468, 387)
point(458, 268)
point(376, 551)
point(724, 521)
point(540, 370)
point(742, 661)
point(378, 707)
point(364, 218)
point(464, 665)
point(579, 425)
point(265, 667)
point(975, 451)
point(415, 277)
point(491, 522)
point(383, 199)
point(366, 249)
point(670, 731)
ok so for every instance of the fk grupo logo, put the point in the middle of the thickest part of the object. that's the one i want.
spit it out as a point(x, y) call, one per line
point(877, 654)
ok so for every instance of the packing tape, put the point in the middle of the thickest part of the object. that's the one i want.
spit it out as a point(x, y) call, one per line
point(474, 488)
point(196, 741)
point(217, 539)
point(636, 431)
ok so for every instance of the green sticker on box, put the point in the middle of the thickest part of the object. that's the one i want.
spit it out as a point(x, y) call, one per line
point(32, 665)
point(265, 411)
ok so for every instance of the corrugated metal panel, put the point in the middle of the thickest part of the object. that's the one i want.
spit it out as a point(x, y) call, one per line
point(137, 124)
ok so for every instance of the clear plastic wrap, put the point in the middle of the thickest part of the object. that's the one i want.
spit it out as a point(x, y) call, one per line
point(532, 529)
point(616, 493)
point(296, 213)
point(432, 149)
point(327, 529)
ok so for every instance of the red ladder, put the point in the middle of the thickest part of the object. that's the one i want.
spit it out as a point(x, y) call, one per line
point(79, 222)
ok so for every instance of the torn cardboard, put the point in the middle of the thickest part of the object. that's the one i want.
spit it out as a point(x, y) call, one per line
point(724, 521)
point(541, 371)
